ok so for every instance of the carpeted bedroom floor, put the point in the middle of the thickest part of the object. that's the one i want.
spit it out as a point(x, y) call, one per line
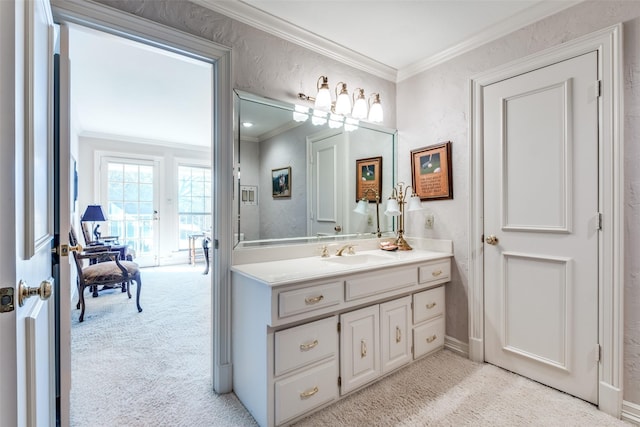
point(153, 369)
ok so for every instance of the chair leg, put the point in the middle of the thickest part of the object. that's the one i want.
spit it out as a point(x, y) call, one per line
point(128, 287)
point(81, 304)
point(138, 287)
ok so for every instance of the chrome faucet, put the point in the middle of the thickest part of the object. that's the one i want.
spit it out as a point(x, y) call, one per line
point(348, 247)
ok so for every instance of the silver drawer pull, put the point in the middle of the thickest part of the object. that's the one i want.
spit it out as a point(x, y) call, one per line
point(436, 273)
point(363, 349)
point(308, 346)
point(398, 334)
point(313, 300)
point(431, 339)
point(431, 305)
point(308, 393)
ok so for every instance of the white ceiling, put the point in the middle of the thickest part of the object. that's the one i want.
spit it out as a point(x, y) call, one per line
point(122, 89)
point(390, 38)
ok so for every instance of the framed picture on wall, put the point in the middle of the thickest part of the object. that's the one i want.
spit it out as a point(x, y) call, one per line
point(281, 182)
point(368, 178)
point(431, 174)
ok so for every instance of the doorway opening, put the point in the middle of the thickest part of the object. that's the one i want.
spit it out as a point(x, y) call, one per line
point(138, 115)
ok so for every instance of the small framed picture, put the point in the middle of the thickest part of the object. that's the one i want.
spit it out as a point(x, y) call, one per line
point(431, 174)
point(281, 182)
point(368, 178)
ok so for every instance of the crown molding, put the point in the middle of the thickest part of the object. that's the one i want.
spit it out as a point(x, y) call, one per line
point(268, 23)
point(526, 17)
point(243, 12)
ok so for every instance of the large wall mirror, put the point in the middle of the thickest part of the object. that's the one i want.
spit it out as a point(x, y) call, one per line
point(297, 179)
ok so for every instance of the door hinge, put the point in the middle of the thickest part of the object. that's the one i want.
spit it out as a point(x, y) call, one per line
point(338, 326)
point(599, 221)
point(598, 352)
point(339, 381)
point(598, 88)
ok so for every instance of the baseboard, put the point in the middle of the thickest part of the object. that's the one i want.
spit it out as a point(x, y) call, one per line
point(457, 346)
point(630, 412)
point(609, 399)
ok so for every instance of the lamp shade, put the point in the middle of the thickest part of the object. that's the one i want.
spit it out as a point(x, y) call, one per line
point(414, 203)
point(93, 213)
point(362, 207)
point(323, 98)
point(393, 208)
point(343, 102)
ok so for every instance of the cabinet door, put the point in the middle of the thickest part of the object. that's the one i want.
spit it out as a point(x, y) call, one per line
point(396, 333)
point(360, 347)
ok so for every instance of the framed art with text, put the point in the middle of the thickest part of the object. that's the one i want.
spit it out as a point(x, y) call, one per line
point(431, 174)
point(368, 178)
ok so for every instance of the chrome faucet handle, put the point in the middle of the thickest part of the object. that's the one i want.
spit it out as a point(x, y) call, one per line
point(351, 250)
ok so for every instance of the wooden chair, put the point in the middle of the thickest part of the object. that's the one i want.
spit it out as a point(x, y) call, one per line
point(88, 240)
point(105, 273)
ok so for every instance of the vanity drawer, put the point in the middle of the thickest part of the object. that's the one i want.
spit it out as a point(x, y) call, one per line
point(428, 304)
point(311, 342)
point(303, 392)
point(309, 299)
point(380, 283)
point(436, 271)
point(428, 337)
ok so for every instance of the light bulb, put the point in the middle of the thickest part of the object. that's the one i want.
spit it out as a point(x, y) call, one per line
point(359, 105)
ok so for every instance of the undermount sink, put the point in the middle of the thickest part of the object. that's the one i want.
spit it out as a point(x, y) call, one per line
point(357, 259)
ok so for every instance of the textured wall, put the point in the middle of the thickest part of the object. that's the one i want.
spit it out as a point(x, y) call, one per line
point(440, 113)
point(262, 64)
point(433, 107)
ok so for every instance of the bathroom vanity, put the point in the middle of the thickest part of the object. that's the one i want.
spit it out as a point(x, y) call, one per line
point(308, 330)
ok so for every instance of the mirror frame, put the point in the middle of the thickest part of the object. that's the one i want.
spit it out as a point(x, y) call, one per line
point(240, 95)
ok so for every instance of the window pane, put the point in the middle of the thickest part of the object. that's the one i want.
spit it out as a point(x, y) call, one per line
point(146, 174)
point(131, 173)
point(146, 192)
point(131, 191)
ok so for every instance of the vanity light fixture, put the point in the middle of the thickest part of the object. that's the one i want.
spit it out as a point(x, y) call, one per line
point(319, 117)
point(376, 114)
point(362, 207)
point(343, 102)
point(361, 109)
point(323, 98)
point(300, 113)
point(395, 207)
point(359, 105)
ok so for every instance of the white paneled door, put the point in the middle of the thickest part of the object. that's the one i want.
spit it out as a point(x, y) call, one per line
point(541, 225)
point(326, 185)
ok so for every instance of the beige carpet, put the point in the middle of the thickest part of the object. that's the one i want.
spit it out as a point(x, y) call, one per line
point(152, 369)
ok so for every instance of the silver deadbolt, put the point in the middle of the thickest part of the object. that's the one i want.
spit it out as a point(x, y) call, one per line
point(44, 291)
point(492, 240)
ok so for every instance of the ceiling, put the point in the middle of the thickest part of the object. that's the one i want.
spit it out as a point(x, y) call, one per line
point(129, 91)
point(393, 39)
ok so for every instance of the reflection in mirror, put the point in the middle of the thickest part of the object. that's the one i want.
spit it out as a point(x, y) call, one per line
point(297, 181)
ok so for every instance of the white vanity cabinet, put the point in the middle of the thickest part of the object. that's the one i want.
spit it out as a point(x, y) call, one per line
point(303, 343)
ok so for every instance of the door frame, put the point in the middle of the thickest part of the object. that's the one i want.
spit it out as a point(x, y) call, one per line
point(608, 43)
point(109, 20)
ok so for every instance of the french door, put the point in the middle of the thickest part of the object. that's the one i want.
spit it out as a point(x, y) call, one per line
point(129, 194)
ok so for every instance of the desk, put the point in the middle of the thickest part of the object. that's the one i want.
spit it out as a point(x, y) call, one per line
point(192, 246)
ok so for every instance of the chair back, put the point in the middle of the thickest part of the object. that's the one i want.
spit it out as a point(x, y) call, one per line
point(73, 241)
point(86, 233)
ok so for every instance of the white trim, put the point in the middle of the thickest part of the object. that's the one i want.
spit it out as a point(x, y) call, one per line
point(456, 346)
point(631, 412)
point(268, 23)
point(271, 24)
point(133, 27)
point(526, 17)
point(608, 43)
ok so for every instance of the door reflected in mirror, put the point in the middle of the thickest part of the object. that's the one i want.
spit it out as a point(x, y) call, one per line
point(321, 172)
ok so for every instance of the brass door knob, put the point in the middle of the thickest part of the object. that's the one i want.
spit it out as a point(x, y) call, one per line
point(492, 240)
point(44, 291)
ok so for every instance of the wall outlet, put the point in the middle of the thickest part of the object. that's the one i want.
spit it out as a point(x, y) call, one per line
point(428, 223)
